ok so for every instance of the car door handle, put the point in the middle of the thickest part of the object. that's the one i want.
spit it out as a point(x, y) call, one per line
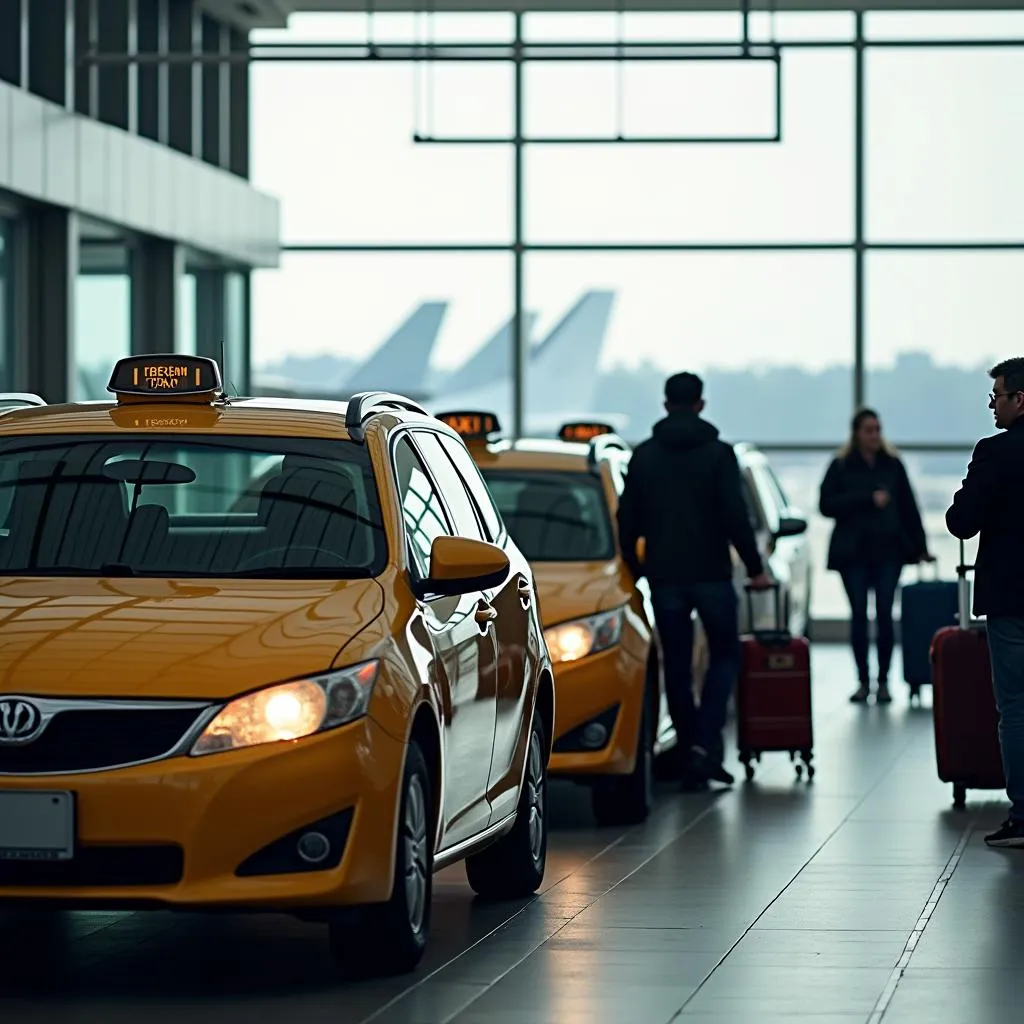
point(485, 613)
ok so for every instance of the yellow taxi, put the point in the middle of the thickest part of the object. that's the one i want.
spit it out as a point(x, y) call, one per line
point(558, 500)
point(308, 707)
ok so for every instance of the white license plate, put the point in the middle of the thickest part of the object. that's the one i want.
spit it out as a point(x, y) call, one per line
point(37, 825)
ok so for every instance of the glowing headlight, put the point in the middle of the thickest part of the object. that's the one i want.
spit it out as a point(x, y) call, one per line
point(571, 641)
point(290, 711)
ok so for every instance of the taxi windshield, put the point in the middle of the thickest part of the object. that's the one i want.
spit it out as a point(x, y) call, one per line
point(552, 516)
point(188, 506)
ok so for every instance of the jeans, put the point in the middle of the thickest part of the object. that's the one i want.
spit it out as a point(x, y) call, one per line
point(1006, 650)
point(717, 605)
point(882, 578)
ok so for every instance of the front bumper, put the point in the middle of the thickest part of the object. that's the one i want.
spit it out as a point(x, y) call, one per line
point(181, 828)
point(588, 689)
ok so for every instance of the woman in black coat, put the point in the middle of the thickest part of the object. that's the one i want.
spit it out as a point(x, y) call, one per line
point(878, 530)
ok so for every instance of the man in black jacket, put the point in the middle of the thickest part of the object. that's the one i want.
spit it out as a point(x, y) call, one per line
point(991, 502)
point(683, 497)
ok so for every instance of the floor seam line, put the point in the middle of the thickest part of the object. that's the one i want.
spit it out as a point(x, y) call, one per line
point(483, 938)
point(853, 810)
point(568, 921)
point(884, 1000)
point(626, 878)
point(494, 931)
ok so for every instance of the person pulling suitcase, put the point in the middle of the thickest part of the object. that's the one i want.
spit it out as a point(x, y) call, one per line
point(683, 497)
point(990, 502)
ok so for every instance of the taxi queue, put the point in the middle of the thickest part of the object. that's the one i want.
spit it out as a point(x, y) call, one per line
point(297, 656)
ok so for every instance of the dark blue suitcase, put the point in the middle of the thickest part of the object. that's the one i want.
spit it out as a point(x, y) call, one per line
point(925, 607)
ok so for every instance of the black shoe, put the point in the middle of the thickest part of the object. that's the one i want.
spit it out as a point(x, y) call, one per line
point(1009, 835)
point(709, 768)
point(861, 696)
point(882, 694)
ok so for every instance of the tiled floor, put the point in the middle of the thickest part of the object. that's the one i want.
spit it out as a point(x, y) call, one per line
point(863, 897)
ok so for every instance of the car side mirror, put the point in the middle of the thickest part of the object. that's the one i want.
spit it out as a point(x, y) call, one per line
point(791, 526)
point(459, 565)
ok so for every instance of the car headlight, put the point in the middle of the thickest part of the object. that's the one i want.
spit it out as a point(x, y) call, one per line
point(570, 641)
point(290, 711)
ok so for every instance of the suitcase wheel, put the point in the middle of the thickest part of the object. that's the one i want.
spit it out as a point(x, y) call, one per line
point(747, 759)
point(748, 769)
point(959, 796)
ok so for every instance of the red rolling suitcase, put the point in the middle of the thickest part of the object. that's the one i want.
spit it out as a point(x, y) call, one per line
point(773, 695)
point(964, 705)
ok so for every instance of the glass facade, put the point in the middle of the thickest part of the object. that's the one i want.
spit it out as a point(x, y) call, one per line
point(103, 319)
point(236, 332)
point(6, 305)
point(187, 315)
point(872, 254)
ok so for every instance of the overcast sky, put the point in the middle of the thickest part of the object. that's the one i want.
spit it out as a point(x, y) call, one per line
point(945, 160)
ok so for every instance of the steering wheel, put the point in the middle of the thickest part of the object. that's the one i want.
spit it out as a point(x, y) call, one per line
point(263, 558)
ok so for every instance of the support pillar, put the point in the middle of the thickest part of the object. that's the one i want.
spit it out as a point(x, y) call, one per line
point(157, 269)
point(116, 33)
point(12, 13)
point(185, 82)
point(210, 314)
point(859, 241)
point(238, 105)
point(51, 275)
point(51, 27)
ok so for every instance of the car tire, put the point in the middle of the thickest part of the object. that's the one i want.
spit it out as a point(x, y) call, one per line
point(391, 937)
point(627, 799)
point(513, 867)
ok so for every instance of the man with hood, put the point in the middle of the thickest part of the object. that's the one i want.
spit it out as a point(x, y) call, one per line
point(683, 497)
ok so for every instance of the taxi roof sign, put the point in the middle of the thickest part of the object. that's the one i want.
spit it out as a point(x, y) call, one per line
point(166, 376)
point(584, 431)
point(471, 426)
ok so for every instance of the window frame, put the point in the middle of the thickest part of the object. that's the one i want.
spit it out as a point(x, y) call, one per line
point(502, 531)
point(405, 433)
point(483, 533)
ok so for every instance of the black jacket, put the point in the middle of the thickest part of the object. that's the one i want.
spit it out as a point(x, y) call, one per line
point(864, 533)
point(682, 495)
point(991, 502)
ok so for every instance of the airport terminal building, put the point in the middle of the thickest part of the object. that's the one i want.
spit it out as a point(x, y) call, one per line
point(127, 220)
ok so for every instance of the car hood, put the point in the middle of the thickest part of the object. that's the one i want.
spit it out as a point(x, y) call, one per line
point(570, 590)
point(173, 638)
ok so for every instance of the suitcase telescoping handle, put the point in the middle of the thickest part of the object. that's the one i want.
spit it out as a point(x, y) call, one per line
point(776, 588)
point(964, 588)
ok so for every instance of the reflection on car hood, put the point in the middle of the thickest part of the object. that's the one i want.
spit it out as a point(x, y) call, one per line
point(570, 590)
point(173, 638)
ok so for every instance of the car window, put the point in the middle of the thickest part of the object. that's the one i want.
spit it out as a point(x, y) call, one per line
point(457, 498)
point(422, 510)
point(138, 505)
point(467, 470)
point(552, 516)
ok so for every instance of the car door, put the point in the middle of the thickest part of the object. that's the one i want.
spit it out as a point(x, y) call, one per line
point(464, 655)
point(518, 631)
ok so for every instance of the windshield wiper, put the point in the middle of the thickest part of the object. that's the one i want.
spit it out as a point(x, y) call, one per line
point(116, 569)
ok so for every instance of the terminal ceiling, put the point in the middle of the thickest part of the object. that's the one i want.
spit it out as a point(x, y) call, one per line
point(274, 13)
